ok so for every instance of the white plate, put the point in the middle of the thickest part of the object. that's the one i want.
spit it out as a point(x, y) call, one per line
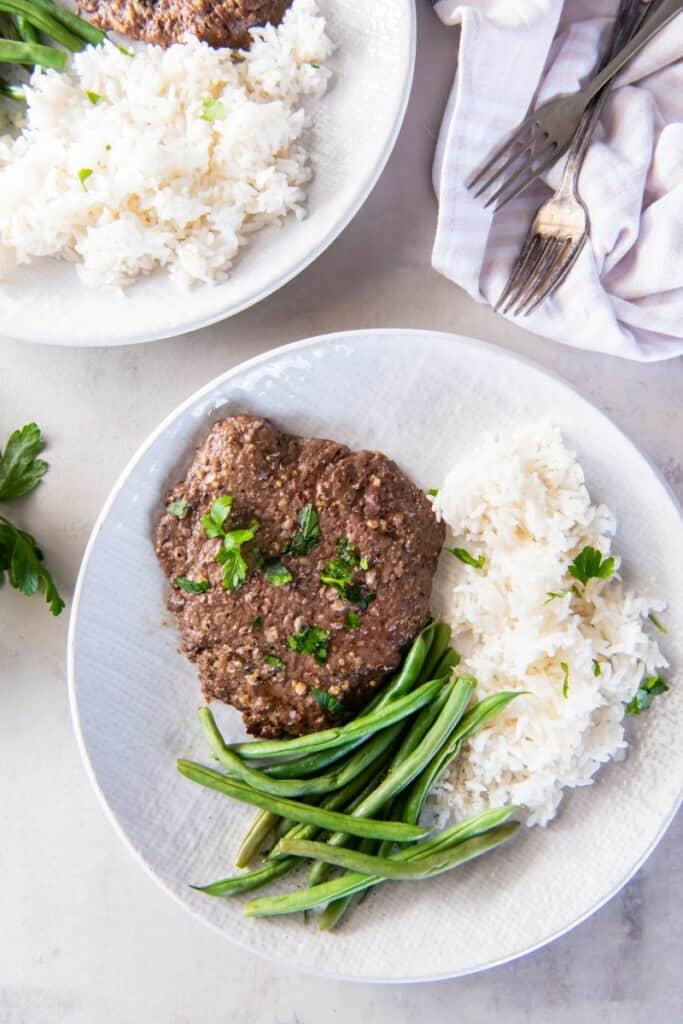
point(355, 128)
point(423, 398)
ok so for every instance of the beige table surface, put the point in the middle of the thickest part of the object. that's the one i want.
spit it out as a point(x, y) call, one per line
point(85, 936)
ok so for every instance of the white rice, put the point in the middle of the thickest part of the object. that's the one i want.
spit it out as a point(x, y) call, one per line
point(523, 504)
point(167, 188)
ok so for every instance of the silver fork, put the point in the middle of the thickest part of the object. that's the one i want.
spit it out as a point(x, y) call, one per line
point(561, 225)
point(545, 134)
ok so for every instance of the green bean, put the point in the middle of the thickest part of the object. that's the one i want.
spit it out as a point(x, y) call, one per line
point(401, 684)
point(310, 814)
point(363, 726)
point(440, 642)
point(449, 660)
point(11, 91)
point(335, 911)
point(415, 756)
point(261, 827)
point(46, 22)
point(236, 768)
point(26, 30)
point(77, 25)
point(12, 52)
point(250, 879)
point(354, 882)
point(475, 719)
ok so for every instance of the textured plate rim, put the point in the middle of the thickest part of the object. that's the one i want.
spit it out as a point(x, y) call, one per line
point(335, 230)
point(496, 351)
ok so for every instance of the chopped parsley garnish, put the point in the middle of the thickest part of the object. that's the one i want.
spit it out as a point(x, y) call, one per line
point(314, 65)
point(94, 98)
point(553, 595)
point(177, 508)
point(328, 702)
point(589, 564)
point(340, 574)
point(597, 671)
point(20, 468)
point(565, 679)
point(432, 492)
point(192, 586)
point(312, 640)
point(656, 623)
point(308, 534)
point(277, 574)
point(645, 694)
point(273, 661)
point(214, 110)
point(477, 563)
point(257, 624)
point(83, 176)
point(352, 621)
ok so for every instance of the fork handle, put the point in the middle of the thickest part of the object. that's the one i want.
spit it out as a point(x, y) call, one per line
point(661, 16)
point(628, 18)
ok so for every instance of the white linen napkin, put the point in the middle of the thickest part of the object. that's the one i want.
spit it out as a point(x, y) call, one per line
point(624, 296)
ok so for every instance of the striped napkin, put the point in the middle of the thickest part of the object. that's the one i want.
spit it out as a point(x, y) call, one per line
point(624, 296)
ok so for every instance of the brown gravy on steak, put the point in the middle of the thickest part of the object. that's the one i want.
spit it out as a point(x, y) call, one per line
point(239, 638)
point(221, 23)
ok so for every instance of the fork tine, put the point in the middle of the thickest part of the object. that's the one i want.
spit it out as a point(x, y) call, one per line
point(558, 275)
point(531, 273)
point(517, 152)
point(544, 269)
point(498, 153)
point(519, 272)
point(555, 155)
point(526, 171)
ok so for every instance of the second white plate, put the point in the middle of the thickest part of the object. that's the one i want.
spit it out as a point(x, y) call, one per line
point(355, 128)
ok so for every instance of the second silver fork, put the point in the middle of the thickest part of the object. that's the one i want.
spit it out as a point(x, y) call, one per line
point(561, 225)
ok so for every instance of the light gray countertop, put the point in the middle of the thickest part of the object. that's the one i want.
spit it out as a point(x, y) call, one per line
point(85, 936)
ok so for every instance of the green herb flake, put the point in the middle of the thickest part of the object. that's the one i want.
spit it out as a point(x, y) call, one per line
point(656, 623)
point(645, 694)
point(589, 564)
point(213, 110)
point(328, 702)
point(433, 492)
point(277, 574)
point(218, 513)
point(94, 98)
point(273, 661)
point(308, 534)
point(229, 555)
point(597, 671)
point(83, 176)
point(314, 65)
point(351, 621)
point(125, 52)
point(565, 679)
point(341, 571)
point(177, 508)
point(553, 595)
point(311, 640)
point(192, 586)
point(20, 468)
point(477, 563)
point(257, 624)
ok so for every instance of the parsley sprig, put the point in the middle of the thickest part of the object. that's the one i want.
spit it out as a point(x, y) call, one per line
point(589, 564)
point(477, 563)
point(328, 702)
point(21, 560)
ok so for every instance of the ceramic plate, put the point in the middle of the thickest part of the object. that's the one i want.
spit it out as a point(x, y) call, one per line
point(355, 127)
point(423, 399)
